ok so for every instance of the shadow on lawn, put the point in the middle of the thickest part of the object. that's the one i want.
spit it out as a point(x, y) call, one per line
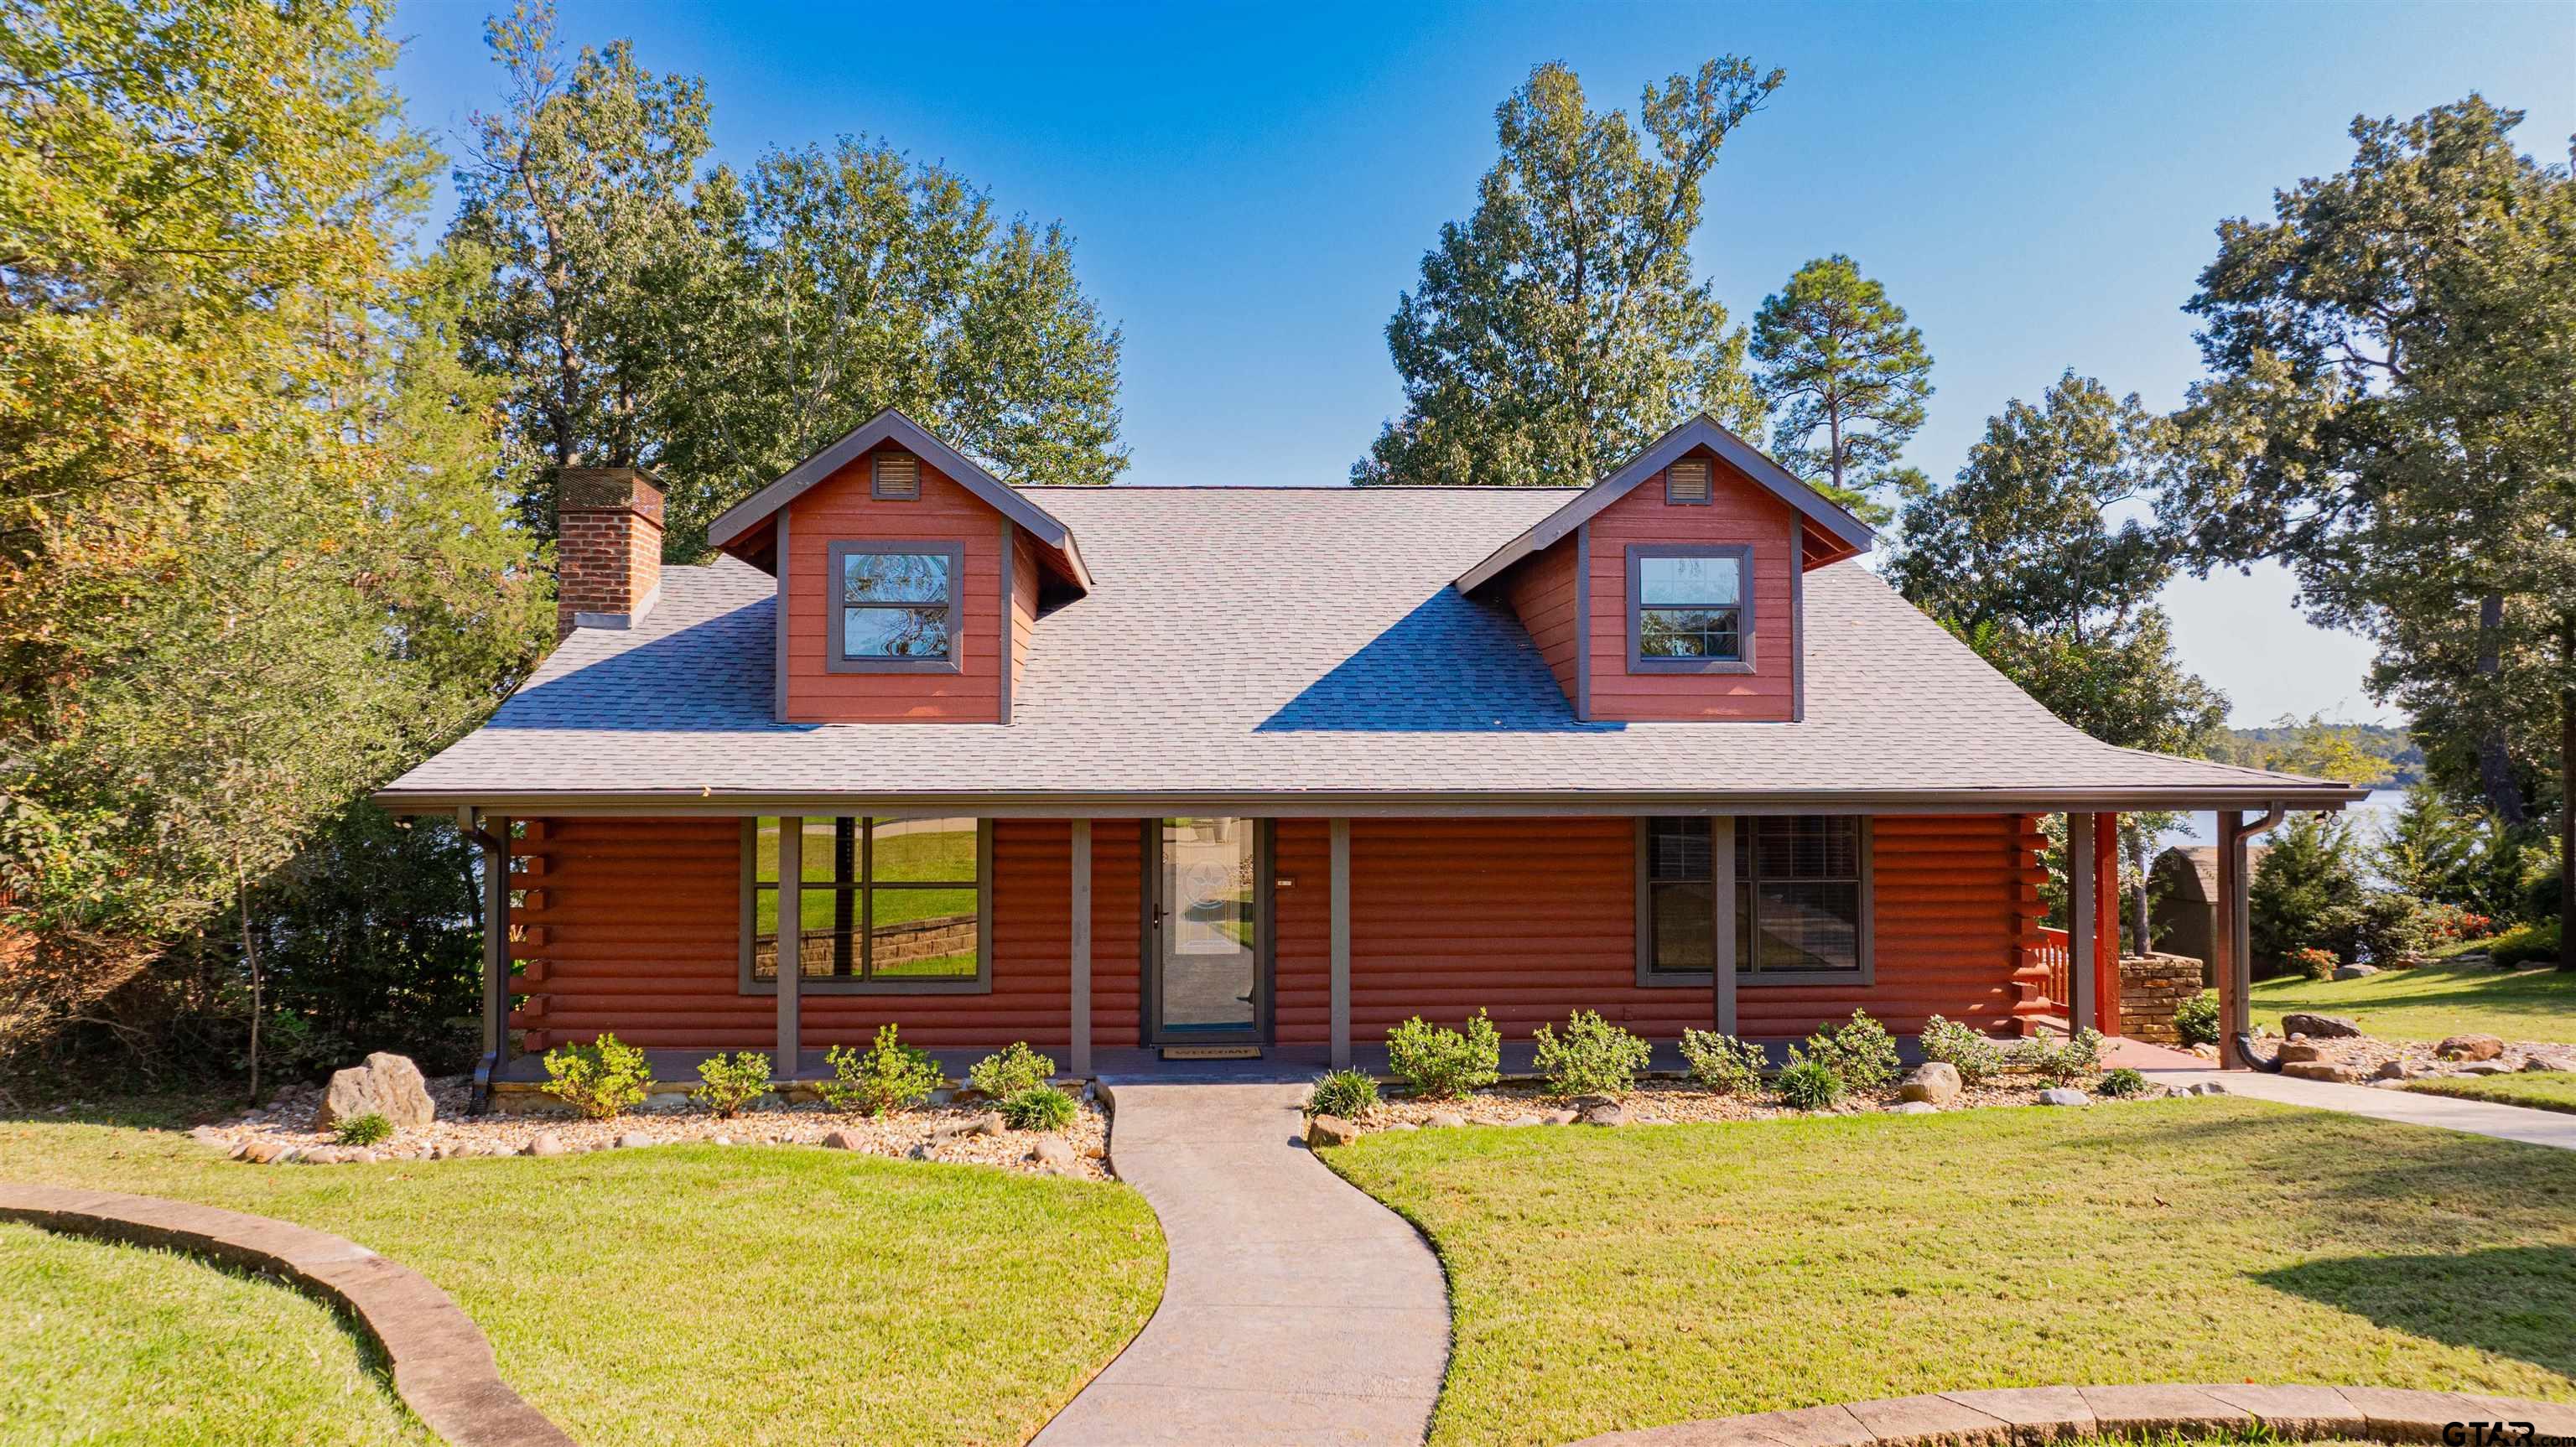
point(2514, 1301)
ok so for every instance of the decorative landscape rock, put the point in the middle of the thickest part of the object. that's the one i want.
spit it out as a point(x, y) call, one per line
point(2355, 972)
point(1330, 1130)
point(2483, 1067)
point(2295, 1051)
point(633, 1139)
point(1605, 1113)
point(1446, 1119)
point(1055, 1156)
point(1523, 1120)
point(2470, 1047)
point(2324, 1027)
point(1934, 1083)
point(840, 1140)
point(385, 1084)
point(548, 1144)
point(1914, 1107)
point(2535, 1063)
point(1558, 1117)
point(2325, 1070)
point(2061, 1095)
point(2397, 1070)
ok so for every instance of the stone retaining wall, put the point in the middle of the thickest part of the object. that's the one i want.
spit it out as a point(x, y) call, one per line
point(2152, 988)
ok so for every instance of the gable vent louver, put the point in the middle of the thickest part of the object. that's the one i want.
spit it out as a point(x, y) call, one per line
point(898, 474)
point(1687, 481)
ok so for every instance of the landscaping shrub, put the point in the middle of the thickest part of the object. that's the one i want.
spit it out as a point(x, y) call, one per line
point(2060, 1060)
point(1723, 1063)
point(1006, 1073)
point(730, 1082)
point(1436, 1063)
point(2121, 1082)
point(364, 1130)
point(1346, 1093)
point(1808, 1085)
point(1039, 1107)
point(1594, 1057)
point(2527, 944)
point(2314, 963)
point(891, 1076)
point(2197, 1019)
point(2302, 882)
point(1859, 1052)
point(1960, 1047)
point(602, 1079)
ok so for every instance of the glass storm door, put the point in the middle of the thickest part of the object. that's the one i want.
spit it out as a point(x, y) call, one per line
point(1207, 947)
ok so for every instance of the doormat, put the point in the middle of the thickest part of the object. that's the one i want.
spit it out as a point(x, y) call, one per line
point(1211, 1052)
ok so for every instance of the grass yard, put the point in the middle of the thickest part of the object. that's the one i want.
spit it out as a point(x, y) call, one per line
point(2543, 1090)
point(262, 1365)
point(1606, 1279)
point(2431, 1001)
point(746, 1295)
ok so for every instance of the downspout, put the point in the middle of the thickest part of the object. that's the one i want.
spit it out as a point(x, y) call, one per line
point(468, 823)
point(2232, 839)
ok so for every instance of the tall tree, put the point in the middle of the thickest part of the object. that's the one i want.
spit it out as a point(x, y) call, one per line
point(1845, 376)
point(1560, 327)
point(834, 282)
point(577, 189)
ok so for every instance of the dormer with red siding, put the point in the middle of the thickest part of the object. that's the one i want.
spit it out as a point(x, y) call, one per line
point(1673, 590)
point(909, 579)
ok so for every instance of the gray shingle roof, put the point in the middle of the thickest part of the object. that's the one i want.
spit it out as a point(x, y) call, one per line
point(1244, 644)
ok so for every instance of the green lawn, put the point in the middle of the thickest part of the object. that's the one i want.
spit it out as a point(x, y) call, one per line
point(1606, 1279)
point(260, 1364)
point(2544, 1090)
point(2431, 1001)
point(744, 1295)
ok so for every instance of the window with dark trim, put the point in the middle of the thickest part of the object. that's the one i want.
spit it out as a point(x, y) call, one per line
point(1801, 899)
point(894, 607)
point(889, 904)
point(1690, 608)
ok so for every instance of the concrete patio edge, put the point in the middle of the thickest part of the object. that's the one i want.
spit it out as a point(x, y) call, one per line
point(443, 1367)
point(2022, 1416)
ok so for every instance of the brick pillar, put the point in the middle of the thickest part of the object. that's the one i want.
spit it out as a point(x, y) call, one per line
point(608, 547)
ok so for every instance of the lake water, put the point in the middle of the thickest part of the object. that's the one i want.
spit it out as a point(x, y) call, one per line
point(2369, 819)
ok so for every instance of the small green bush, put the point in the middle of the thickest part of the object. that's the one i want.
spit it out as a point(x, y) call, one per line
point(1436, 1063)
point(1808, 1085)
point(2526, 945)
point(2062, 1061)
point(1723, 1063)
point(730, 1082)
point(1859, 1051)
point(1008, 1072)
point(890, 1076)
point(1345, 1093)
point(1594, 1057)
point(2197, 1019)
point(1962, 1048)
point(2312, 963)
point(602, 1079)
point(364, 1130)
point(2122, 1082)
point(1039, 1107)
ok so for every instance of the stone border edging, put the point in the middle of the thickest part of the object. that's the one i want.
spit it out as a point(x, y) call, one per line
point(2023, 1416)
point(443, 1368)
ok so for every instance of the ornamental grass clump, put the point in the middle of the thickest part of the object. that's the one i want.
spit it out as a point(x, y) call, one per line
point(1976, 1057)
point(1808, 1085)
point(1723, 1063)
point(1039, 1107)
point(602, 1079)
point(1859, 1052)
point(1343, 1093)
point(1435, 1063)
point(730, 1082)
point(1594, 1057)
point(1005, 1073)
point(890, 1076)
point(364, 1130)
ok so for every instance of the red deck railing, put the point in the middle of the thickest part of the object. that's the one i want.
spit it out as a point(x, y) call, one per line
point(2053, 954)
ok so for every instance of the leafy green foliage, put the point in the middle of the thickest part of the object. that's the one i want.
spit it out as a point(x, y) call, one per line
point(1559, 328)
point(1961, 1047)
point(1436, 1064)
point(2196, 1019)
point(602, 1079)
point(730, 1082)
point(2060, 1059)
point(1344, 1093)
point(364, 1130)
point(2312, 963)
point(2303, 880)
point(2452, 855)
point(1038, 1107)
point(1859, 1052)
point(2528, 944)
point(1845, 376)
point(1808, 1085)
point(2355, 753)
point(1593, 1057)
point(2121, 1083)
point(1006, 1073)
point(1723, 1063)
point(888, 1077)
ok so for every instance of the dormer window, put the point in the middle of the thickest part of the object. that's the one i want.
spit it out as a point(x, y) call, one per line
point(896, 609)
point(1688, 610)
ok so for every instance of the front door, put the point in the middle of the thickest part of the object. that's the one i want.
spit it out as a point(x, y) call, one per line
point(1206, 946)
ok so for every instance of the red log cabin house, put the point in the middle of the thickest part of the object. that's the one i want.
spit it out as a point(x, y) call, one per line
point(1123, 771)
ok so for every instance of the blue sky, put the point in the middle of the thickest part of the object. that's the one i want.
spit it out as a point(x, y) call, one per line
point(1250, 187)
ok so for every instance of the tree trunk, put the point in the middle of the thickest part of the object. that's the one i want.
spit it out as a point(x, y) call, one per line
point(2567, 800)
point(2495, 765)
point(250, 957)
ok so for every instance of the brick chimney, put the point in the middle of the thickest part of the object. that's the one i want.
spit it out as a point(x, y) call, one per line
point(608, 547)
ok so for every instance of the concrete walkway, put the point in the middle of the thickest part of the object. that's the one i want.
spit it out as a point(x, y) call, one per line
point(2477, 1117)
point(1296, 1309)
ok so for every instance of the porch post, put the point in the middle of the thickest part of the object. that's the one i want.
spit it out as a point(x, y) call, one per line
point(1081, 1021)
point(2106, 912)
point(1721, 874)
point(2233, 944)
point(2083, 938)
point(791, 941)
point(1341, 943)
